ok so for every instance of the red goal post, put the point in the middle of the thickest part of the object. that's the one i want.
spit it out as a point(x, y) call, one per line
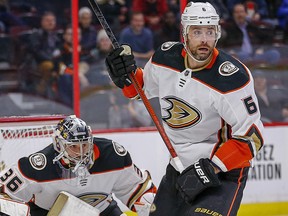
point(23, 135)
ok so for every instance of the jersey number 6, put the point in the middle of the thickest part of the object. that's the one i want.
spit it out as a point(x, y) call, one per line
point(250, 105)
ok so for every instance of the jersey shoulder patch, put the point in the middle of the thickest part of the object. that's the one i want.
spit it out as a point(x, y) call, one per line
point(38, 161)
point(227, 74)
point(167, 45)
point(227, 68)
point(39, 166)
point(113, 156)
point(119, 149)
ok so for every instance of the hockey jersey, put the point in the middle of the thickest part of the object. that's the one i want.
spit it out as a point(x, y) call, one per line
point(211, 112)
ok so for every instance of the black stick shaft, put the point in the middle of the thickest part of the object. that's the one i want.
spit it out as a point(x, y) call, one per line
point(137, 86)
point(104, 23)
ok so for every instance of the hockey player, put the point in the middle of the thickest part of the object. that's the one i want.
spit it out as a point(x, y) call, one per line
point(209, 112)
point(87, 167)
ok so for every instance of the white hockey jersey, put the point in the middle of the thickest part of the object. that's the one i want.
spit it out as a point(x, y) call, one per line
point(211, 112)
point(36, 178)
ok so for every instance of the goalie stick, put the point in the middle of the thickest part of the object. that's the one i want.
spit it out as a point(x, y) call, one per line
point(137, 86)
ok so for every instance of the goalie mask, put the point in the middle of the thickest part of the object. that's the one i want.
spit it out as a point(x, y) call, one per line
point(199, 14)
point(72, 139)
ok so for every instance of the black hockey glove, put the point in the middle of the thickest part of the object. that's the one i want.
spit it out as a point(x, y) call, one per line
point(120, 62)
point(195, 179)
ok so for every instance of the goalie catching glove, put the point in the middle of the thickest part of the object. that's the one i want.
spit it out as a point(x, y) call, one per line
point(120, 62)
point(196, 178)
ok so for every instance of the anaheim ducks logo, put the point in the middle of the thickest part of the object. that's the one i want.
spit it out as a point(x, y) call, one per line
point(180, 113)
point(167, 45)
point(94, 199)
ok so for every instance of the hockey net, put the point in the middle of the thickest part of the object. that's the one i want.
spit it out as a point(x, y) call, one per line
point(22, 135)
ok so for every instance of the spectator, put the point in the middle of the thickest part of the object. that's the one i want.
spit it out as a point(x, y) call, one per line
point(139, 38)
point(97, 74)
point(152, 10)
point(116, 113)
point(273, 6)
point(8, 19)
point(282, 15)
point(61, 8)
point(174, 6)
point(88, 30)
point(256, 9)
point(138, 114)
point(220, 8)
point(245, 39)
point(270, 100)
point(65, 80)
point(2, 27)
point(170, 30)
point(127, 113)
point(113, 10)
point(44, 45)
point(285, 112)
point(123, 17)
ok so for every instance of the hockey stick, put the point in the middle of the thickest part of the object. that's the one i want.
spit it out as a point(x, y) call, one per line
point(137, 86)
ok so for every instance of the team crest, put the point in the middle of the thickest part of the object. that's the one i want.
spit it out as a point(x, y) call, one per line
point(38, 161)
point(119, 149)
point(180, 113)
point(166, 46)
point(227, 68)
point(93, 199)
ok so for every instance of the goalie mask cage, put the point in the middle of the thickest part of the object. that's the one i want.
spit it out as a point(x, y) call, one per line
point(22, 135)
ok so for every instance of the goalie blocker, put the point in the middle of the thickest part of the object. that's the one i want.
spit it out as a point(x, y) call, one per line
point(11, 207)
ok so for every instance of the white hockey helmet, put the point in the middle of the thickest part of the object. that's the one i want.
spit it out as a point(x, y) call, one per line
point(72, 135)
point(200, 14)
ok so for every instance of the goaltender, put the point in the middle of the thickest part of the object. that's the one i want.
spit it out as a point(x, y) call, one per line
point(89, 168)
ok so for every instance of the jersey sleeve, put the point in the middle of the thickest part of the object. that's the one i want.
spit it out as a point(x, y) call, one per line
point(132, 185)
point(241, 135)
point(16, 185)
point(151, 80)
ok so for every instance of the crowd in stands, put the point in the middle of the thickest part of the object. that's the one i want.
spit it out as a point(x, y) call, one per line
point(255, 31)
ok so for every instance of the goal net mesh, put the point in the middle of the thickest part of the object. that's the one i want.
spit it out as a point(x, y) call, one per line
point(21, 136)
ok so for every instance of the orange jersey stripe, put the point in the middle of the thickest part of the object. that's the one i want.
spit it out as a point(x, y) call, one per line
point(130, 91)
point(234, 154)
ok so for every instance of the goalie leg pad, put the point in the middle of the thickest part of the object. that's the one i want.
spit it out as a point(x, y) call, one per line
point(12, 207)
point(67, 204)
point(195, 179)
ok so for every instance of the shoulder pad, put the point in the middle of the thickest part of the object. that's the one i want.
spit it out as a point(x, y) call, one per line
point(112, 156)
point(38, 161)
point(119, 149)
point(226, 75)
point(170, 55)
point(39, 166)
